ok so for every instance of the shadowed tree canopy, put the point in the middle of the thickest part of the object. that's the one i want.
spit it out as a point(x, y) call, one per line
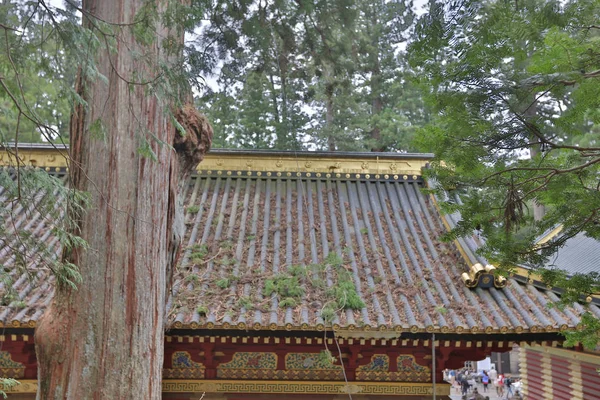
point(516, 86)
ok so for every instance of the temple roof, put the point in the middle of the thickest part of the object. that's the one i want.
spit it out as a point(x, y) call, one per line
point(579, 255)
point(286, 242)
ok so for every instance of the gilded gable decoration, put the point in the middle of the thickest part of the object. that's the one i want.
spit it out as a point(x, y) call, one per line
point(483, 277)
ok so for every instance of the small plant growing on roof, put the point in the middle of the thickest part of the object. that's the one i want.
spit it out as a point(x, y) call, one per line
point(288, 302)
point(7, 384)
point(192, 278)
point(284, 286)
point(441, 309)
point(199, 252)
point(334, 260)
point(298, 270)
point(202, 310)
point(19, 304)
point(328, 312)
point(226, 244)
point(346, 296)
point(193, 209)
point(223, 283)
point(318, 283)
point(245, 302)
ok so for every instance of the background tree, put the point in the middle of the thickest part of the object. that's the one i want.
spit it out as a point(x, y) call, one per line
point(517, 90)
point(34, 106)
point(333, 73)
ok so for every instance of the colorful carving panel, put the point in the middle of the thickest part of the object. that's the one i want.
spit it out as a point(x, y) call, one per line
point(379, 370)
point(376, 370)
point(379, 363)
point(10, 368)
point(411, 371)
point(311, 366)
point(184, 367)
point(250, 366)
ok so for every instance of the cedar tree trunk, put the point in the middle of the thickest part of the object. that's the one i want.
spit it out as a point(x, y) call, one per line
point(105, 339)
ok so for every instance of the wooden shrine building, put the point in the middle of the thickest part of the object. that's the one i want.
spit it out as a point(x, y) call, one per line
point(313, 275)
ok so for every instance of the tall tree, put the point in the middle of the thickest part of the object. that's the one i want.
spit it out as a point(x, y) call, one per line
point(132, 144)
point(382, 27)
point(508, 78)
point(34, 107)
point(254, 38)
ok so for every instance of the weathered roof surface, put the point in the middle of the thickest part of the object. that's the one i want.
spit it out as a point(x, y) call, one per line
point(299, 250)
point(579, 255)
point(249, 230)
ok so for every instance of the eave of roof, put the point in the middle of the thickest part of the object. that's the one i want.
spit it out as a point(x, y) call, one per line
point(371, 164)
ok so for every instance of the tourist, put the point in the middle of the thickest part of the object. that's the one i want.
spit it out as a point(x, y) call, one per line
point(464, 386)
point(493, 376)
point(485, 379)
point(508, 385)
point(500, 385)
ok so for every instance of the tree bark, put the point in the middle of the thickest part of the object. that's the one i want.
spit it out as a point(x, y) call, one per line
point(104, 340)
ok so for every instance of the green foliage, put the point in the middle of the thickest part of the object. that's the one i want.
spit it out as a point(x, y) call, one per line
point(325, 75)
point(223, 283)
point(516, 90)
point(192, 278)
point(588, 334)
point(6, 384)
point(328, 312)
point(441, 309)
point(575, 288)
point(288, 302)
point(245, 302)
point(345, 295)
point(283, 285)
point(515, 95)
point(202, 310)
point(334, 260)
point(38, 66)
point(44, 195)
point(199, 252)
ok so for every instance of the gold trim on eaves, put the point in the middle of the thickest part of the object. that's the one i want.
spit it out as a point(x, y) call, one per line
point(365, 332)
point(402, 166)
point(281, 387)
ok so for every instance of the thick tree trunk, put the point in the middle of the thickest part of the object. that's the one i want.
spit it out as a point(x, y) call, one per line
point(105, 339)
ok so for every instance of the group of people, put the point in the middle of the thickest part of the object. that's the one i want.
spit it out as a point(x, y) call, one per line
point(504, 385)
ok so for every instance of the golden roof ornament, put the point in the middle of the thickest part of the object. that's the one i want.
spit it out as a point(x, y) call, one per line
point(483, 277)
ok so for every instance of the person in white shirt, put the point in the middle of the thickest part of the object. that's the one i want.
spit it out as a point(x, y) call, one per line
point(493, 377)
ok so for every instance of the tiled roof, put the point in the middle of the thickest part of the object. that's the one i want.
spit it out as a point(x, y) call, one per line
point(248, 231)
point(301, 251)
point(579, 255)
